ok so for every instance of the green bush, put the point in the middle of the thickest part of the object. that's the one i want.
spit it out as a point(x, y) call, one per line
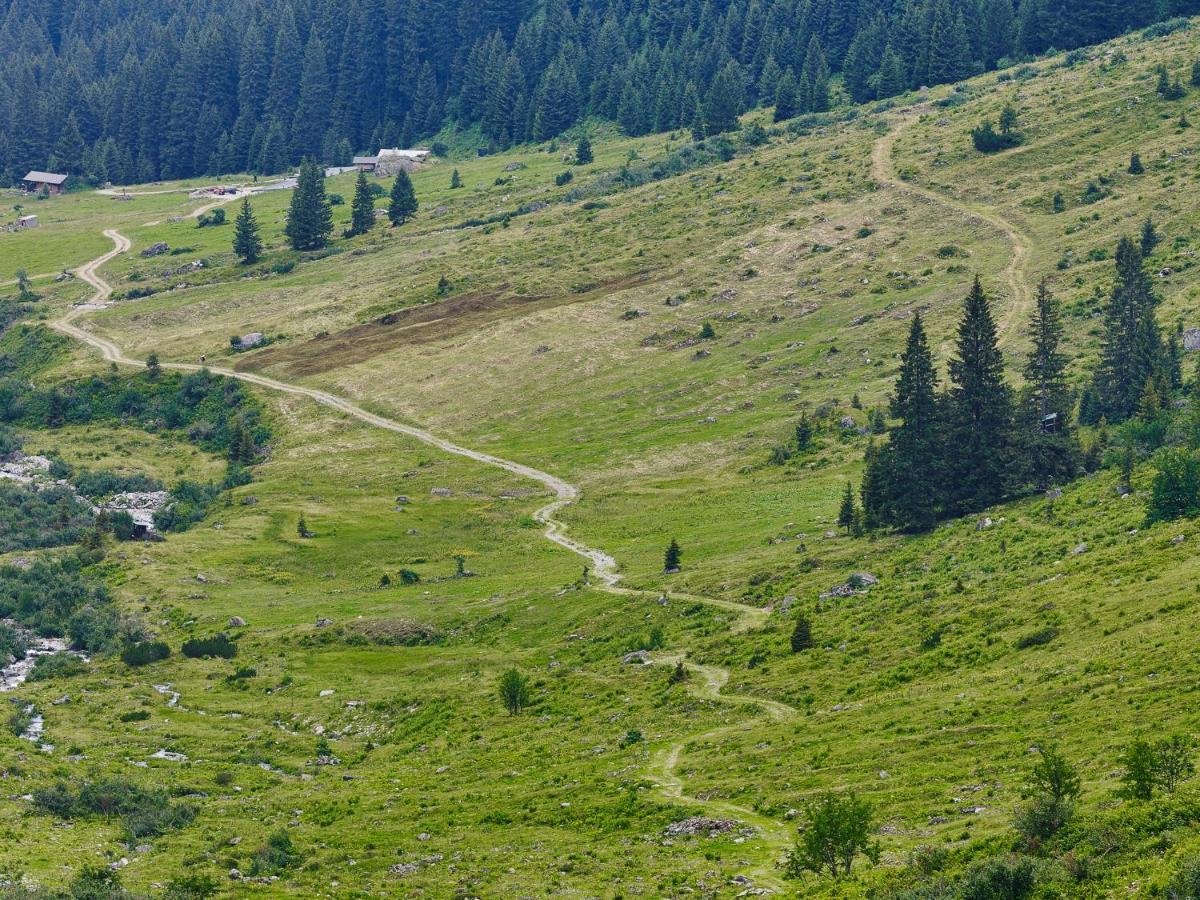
point(1005, 878)
point(277, 855)
point(144, 652)
point(56, 665)
point(204, 648)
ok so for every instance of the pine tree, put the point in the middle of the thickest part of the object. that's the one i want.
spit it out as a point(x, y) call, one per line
point(362, 208)
point(980, 410)
point(247, 243)
point(403, 205)
point(1131, 349)
point(309, 218)
point(801, 634)
point(725, 100)
point(455, 180)
point(891, 80)
point(1149, 238)
point(673, 557)
point(70, 148)
point(1047, 447)
point(848, 510)
point(786, 97)
point(912, 466)
point(1135, 164)
point(814, 78)
point(315, 98)
point(583, 151)
point(804, 433)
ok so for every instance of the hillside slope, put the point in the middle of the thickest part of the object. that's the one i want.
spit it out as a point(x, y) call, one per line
point(1053, 620)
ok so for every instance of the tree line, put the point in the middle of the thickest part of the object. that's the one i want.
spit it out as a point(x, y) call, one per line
point(134, 91)
point(977, 442)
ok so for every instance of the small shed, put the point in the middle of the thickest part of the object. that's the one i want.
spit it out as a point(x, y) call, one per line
point(27, 222)
point(52, 182)
point(365, 163)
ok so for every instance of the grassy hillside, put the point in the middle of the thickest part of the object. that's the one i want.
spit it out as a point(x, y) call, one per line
point(569, 341)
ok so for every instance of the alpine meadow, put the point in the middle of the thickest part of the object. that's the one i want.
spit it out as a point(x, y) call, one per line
point(599, 449)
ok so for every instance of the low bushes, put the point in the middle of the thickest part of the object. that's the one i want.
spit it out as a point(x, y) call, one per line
point(205, 648)
point(144, 812)
point(143, 653)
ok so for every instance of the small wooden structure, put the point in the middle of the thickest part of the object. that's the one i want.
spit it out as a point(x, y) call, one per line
point(36, 182)
point(365, 163)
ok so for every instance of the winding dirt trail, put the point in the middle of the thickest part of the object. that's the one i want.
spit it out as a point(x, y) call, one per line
point(1015, 274)
point(704, 682)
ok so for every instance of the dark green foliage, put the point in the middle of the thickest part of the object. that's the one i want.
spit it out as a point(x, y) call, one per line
point(1058, 203)
point(455, 180)
point(672, 559)
point(979, 410)
point(278, 855)
point(678, 675)
point(191, 887)
point(1140, 763)
point(1135, 164)
point(362, 209)
point(707, 332)
point(211, 219)
point(787, 97)
point(56, 665)
point(583, 151)
point(54, 597)
point(31, 518)
point(1054, 786)
point(801, 634)
point(97, 882)
point(1036, 638)
point(848, 510)
point(564, 178)
point(188, 505)
point(1003, 878)
point(309, 218)
point(1175, 491)
point(838, 829)
point(143, 653)
point(514, 691)
point(247, 243)
point(217, 646)
point(144, 812)
point(987, 139)
point(1185, 883)
point(234, 86)
point(403, 204)
point(1132, 349)
point(1148, 238)
point(804, 433)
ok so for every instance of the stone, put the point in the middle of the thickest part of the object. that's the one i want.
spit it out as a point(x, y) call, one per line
point(984, 523)
point(637, 658)
point(237, 622)
point(699, 825)
point(1053, 493)
point(249, 341)
point(1191, 340)
point(1079, 548)
point(847, 422)
point(441, 492)
point(323, 622)
point(328, 692)
point(1178, 539)
point(157, 249)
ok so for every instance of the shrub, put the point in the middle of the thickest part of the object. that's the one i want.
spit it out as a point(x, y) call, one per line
point(987, 140)
point(277, 855)
point(1036, 638)
point(144, 652)
point(205, 648)
point(801, 635)
point(56, 665)
point(1141, 764)
point(191, 887)
point(1042, 817)
point(1175, 491)
point(283, 266)
point(514, 691)
point(135, 715)
point(1006, 878)
point(564, 178)
point(1185, 884)
point(212, 218)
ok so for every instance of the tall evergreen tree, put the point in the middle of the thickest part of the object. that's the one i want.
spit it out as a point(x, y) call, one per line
point(362, 208)
point(911, 469)
point(247, 243)
point(1131, 350)
point(312, 117)
point(403, 205)
point(787, 97)
point(309, 218)
point(980, 411)
point(70, 148)
point(725, 101)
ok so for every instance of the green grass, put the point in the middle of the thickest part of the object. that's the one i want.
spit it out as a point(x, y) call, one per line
point(532, 358)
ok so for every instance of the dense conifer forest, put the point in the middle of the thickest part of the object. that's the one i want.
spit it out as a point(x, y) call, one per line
point(130, 91)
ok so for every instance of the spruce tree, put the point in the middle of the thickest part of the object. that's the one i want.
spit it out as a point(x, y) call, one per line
point(1149, 238)
point(891, 80)
point(913, 468)
point(1131, 348)
point(309, 218)
point(673, 557)
point(247, 243)
point(70, 148)
point(801, 634)
point(725, 100)
point(848, 510)
point(583, 152)
point(403, 205)
point(980, 410)
point(1047, 447)
point(1135, 164)
point(455, 180)
point(786, 97)
point(362, 208)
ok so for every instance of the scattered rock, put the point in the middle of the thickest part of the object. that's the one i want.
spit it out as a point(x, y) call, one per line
point(699, 825)
point(1053, 493)
point(1191, 340)
point(323, 622)
point(249, 341)
point(157, 249)
point(1178, 539)
point(170, 755)
point(984, 523)
point(441, 492)
point(637, 657)
point(1079, 548)
point(237, 622)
